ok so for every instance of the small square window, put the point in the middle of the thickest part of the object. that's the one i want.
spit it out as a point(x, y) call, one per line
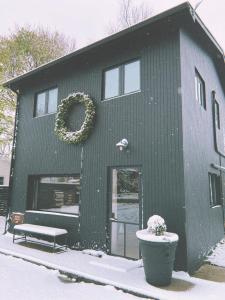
point(200, 90)
point(214, 190)
point(46, 102)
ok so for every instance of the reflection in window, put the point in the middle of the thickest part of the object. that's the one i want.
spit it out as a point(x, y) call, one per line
point(58, 194)
point(40, 104)
point(112, 83)
point(125, 195)
point(214, 189)
point(52, 101)
point(46, 102)
point(125, 212)
point(122, 80)
point(132, 77)
point(217, 115)
point(200, 90)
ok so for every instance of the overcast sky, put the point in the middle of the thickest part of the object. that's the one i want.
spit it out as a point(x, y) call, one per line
point(87, 20)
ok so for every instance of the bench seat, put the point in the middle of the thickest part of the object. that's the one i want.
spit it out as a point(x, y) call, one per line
point(40, 230)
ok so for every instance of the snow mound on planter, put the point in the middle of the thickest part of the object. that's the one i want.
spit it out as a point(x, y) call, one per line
point(145, 235)
point(156, 225)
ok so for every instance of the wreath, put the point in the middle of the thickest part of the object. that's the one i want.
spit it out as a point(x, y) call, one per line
point(61, 128)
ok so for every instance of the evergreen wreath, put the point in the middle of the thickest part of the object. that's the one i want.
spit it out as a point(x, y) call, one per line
point(61, 129)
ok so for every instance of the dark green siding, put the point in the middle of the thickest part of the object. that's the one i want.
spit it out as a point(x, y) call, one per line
point(204, 225)
point(150, 120)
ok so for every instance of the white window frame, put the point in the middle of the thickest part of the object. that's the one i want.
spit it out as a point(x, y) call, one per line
point(200, 94)
point(46, 92)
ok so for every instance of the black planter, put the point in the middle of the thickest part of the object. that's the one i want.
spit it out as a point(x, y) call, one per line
point(158, 258)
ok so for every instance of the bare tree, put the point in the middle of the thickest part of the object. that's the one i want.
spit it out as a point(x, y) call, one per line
point(23, 50)
point(129, 14)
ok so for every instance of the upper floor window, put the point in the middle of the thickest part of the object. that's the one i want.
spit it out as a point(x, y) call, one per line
point(214, 189)
point(217, 115)
point(46, 102)
point(200, 90)
point(122, 80)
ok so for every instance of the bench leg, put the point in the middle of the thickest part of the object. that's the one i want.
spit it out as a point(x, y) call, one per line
point(54, 245)
point(66, 241)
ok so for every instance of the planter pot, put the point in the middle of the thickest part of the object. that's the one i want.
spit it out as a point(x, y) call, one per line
point(158, 253)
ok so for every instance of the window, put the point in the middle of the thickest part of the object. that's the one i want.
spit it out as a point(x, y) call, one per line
point(200, 90)
point(112, 83)
point(1, 180)
point(122, 80)
point(125, 211)
point(46, 102)
point(217, 115)
point(55, 193)
point(214, 189)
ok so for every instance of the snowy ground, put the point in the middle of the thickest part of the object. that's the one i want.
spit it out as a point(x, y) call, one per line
point(23, 280)
point(31, 282)
point(218, 256)
point(20, 279)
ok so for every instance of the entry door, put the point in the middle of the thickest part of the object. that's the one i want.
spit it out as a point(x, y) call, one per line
point(125, 211)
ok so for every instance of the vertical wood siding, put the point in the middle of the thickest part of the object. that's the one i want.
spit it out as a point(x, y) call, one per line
point(150, 120)
point(204, 225)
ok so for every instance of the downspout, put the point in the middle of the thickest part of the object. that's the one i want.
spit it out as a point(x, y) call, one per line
point(13, 155)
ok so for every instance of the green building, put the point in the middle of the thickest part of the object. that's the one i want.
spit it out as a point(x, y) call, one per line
point(158, 85)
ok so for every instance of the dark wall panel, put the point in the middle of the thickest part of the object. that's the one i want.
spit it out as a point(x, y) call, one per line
point(4, 198)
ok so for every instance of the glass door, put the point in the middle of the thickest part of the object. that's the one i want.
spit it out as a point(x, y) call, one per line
point(124, 211)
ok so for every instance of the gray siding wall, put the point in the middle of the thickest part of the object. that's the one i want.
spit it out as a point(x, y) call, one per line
point(150, 120)
point(204, 225)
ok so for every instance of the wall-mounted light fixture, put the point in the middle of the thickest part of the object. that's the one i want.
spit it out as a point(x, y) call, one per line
point(122, 144)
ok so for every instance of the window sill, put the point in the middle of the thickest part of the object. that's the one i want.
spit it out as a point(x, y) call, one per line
point(52, 213)
point(216, 206)
point(37, 117)
point(120, 96)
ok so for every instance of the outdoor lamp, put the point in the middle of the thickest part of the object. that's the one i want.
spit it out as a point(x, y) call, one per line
point(122, 144)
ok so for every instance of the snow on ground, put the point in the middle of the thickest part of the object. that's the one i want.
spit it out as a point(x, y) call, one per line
point(2, 224)
point(119, 272)
point(218, 255)
point(23, 280)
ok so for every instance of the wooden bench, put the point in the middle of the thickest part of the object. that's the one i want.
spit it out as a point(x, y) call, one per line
point(29, 229)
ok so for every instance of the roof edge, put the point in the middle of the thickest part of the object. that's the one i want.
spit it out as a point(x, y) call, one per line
point(184, 6)
point(153, 19)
